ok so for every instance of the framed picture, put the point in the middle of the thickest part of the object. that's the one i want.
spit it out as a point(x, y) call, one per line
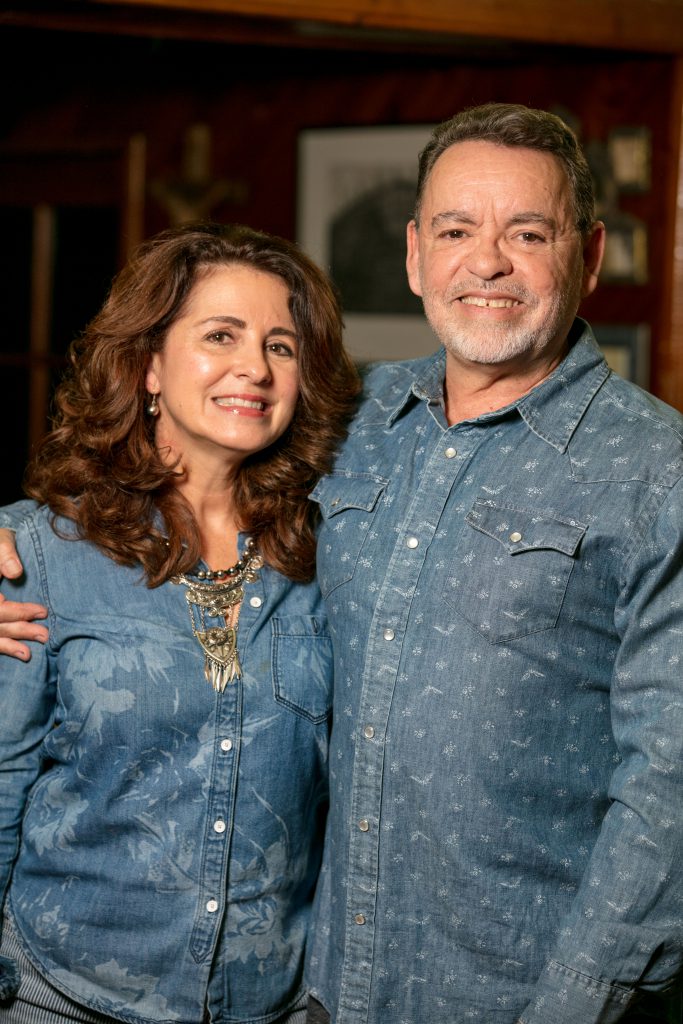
point(625, 260)
point(630, 151)
point(356, 193)
point(627, 350)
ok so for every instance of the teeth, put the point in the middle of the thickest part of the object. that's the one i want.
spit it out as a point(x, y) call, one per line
point(479, 300)
point(243, 402)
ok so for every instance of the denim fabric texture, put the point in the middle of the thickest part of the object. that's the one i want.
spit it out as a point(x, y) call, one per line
point(505, 598)
point(160, 842)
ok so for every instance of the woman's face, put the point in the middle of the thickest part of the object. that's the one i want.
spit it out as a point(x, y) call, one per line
point(227, 377)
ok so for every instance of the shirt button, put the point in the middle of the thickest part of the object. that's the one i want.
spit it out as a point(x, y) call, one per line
point(412, 542)
point(388, 634)
point(255, 602)
point(359, 918)
point(219, 826)
point(515, 537)
point(212, 906)
point(450, 453)
point(364, 825)
point(368, 732)
point(335, 502)
point(226, 745)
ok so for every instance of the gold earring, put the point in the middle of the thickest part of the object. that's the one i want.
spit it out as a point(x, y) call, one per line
point(152, 407)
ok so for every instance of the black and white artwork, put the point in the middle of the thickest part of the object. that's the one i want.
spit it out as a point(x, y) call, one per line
point(356, 194)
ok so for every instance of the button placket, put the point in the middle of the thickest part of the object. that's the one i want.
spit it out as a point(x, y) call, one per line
point(382, 663)
point(218, 824)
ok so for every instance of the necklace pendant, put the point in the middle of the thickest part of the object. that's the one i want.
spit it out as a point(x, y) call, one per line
point(220, 593)
point(221, 663)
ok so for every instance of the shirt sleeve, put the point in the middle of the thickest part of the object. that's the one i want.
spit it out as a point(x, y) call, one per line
point(27, 691)
point(11, 516)
point(623, 937)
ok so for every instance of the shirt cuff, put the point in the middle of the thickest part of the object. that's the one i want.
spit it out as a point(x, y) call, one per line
point(564, 996)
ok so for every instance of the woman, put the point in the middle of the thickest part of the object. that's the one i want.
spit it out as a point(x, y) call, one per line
point(163, 755)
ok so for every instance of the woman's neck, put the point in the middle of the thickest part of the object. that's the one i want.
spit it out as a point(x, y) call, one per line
point(212, 501)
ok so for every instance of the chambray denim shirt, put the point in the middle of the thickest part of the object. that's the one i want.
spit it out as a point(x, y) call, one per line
point(160, 842)
point(505, 598)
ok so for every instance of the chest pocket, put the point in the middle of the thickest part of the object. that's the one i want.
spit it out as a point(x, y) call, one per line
point(511, 570)
point(303, 665)
point(348, 505)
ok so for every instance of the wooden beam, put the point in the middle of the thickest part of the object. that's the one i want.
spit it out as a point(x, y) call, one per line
point(670, 350)
point(42, 278)
point(643, 25)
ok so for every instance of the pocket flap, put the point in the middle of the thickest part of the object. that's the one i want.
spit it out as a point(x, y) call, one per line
point(518, 529)
point(339, 492)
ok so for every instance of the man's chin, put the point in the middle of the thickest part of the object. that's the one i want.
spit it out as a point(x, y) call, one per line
point(489, 353)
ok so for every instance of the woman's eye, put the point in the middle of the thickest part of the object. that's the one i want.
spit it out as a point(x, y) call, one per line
point(280, 348)
point(220, 337)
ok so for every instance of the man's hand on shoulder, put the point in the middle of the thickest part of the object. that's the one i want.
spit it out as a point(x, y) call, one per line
point(17, 620)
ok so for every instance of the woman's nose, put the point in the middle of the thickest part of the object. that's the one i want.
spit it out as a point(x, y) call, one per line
point(250, 361)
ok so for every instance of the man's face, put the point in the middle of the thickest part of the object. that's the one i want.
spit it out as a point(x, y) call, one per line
point(497, 258)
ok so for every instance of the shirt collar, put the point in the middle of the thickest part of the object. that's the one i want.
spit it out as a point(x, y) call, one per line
point(552, 410)
point(423, 380)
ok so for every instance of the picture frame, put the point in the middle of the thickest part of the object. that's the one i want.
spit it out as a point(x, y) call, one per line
point(626, 249)
point(627, 350)
point(355, 196)
point(630, 152)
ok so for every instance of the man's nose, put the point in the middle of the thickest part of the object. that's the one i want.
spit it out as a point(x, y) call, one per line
point(486, 258)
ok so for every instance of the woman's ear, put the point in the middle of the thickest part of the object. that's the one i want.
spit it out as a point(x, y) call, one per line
point(152, 382)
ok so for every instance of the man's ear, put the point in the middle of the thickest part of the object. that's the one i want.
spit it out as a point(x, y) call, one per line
point(413, 258)
point(593, 251)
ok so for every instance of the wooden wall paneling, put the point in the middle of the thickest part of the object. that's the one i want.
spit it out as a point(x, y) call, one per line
point(257, 100)
point(134, 196)
point(42, 277)
point(670, 350)
point(646, 25)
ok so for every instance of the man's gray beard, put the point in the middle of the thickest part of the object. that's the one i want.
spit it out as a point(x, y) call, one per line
point(504, 342)
point(501, 345)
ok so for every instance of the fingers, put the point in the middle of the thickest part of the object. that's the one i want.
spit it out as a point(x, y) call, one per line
point(15, 650)
point(16, 624)
point(10, 566)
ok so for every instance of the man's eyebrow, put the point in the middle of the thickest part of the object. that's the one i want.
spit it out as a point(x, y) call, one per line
point(533, 217)
point(448, 216)
point(523, 217)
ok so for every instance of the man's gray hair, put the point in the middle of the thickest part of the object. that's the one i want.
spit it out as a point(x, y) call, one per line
point(512, 124)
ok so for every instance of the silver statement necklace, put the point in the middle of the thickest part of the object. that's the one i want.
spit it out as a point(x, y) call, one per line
point(220, 593)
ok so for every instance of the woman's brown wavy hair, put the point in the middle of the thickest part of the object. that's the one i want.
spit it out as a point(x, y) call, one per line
point(99, 465)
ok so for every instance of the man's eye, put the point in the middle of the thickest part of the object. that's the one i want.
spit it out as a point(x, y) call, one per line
point(531, 236)
point(455, 233)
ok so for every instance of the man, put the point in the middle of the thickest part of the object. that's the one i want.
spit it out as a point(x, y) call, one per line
point(501, 556)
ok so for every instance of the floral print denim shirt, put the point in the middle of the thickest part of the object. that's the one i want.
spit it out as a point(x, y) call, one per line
point(505, 598)
point(160, 842)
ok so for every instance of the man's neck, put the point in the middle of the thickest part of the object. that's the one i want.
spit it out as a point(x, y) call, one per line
point(473, 389)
